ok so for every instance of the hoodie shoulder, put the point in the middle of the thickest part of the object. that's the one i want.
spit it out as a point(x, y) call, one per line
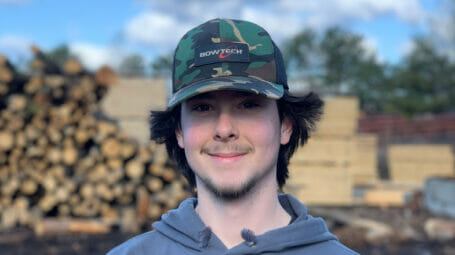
point(176, 233)
point(330, 247)
point(306, 233)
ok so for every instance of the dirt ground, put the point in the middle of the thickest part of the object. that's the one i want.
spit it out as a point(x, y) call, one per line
point(22, 241)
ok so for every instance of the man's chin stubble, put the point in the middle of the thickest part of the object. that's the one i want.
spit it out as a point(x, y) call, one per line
point(228, 194)
point(232, 194)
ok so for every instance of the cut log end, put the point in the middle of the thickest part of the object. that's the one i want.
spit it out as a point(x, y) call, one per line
point(72, 67)
point(106, 76)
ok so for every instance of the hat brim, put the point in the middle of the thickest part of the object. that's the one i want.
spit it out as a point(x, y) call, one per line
point(247, 84)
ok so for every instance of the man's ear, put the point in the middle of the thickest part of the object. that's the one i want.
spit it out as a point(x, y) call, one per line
point(286, 130)
point(179, 136)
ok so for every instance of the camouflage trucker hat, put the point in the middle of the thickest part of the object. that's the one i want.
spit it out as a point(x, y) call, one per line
point(226, 54)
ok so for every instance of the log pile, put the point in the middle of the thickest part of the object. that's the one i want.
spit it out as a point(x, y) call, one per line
point(59, 158)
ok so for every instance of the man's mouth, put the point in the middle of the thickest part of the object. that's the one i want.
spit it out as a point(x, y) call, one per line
point(227, 154)
point(227, 151)
point(227, 158)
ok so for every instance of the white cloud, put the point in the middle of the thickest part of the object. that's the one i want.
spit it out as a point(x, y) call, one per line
point(329, 12)
point(94, 56)
point(278, 26)
point(407, 10)
point(442, 28)
point(15, 47)
point(156, 29)
point(406, 48)
point(162, 27)
point(280, 18)
point(200, 10)
point(370, 44)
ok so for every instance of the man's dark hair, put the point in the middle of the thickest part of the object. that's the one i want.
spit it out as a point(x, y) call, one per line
point(303, 112)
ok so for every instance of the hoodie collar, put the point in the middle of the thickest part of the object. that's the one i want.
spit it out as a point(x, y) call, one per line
point(184, 226)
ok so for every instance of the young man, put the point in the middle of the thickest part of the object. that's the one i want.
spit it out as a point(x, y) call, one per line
point(232, 126)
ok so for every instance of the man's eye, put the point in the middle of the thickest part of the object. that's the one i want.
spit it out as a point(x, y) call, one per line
point(201, 108)
point(249, 105)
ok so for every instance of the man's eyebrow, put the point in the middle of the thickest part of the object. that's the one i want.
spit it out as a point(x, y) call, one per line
point(201, 96)
point(209, 95)
point(246, 94)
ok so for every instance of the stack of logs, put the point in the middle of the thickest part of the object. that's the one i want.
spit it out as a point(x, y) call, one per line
point(60, 157)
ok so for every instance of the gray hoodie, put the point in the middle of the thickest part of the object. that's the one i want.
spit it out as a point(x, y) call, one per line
point(181, 231)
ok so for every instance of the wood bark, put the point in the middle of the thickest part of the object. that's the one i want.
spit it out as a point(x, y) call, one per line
point(59, 158)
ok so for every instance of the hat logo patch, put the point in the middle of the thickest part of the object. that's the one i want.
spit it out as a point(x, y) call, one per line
point(222, 52)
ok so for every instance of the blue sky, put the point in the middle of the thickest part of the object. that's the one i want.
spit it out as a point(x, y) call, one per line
point(102, 32)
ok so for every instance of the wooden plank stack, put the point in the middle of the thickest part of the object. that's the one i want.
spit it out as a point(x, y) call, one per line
point(60, 157)
point(335, 159)
point(320, 185)
point(415, 163)
point(386, 193)
point(364, 159)
point(130, 102)
point(339, 118)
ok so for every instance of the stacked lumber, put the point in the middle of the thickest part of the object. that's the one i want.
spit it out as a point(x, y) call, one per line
point(364, 159)
point(387, 193)
point(415, 163)
point(57, 159)
point(130, 102)
point(409, 167)
point(320, 185)
point(339, 118)
point(323, 150)
point(335, 156)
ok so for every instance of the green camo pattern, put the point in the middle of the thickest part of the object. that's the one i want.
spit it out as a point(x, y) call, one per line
point(268, 89)
point(257, 75)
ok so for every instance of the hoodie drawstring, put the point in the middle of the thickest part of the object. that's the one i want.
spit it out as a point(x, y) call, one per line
point(249, 237)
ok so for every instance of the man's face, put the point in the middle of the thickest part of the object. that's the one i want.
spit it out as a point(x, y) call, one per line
point(231, 140)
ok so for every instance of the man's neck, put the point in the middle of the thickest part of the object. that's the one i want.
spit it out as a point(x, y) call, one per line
point(259, 211)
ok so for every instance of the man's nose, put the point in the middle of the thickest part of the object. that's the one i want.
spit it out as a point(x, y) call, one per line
point(225, 129)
